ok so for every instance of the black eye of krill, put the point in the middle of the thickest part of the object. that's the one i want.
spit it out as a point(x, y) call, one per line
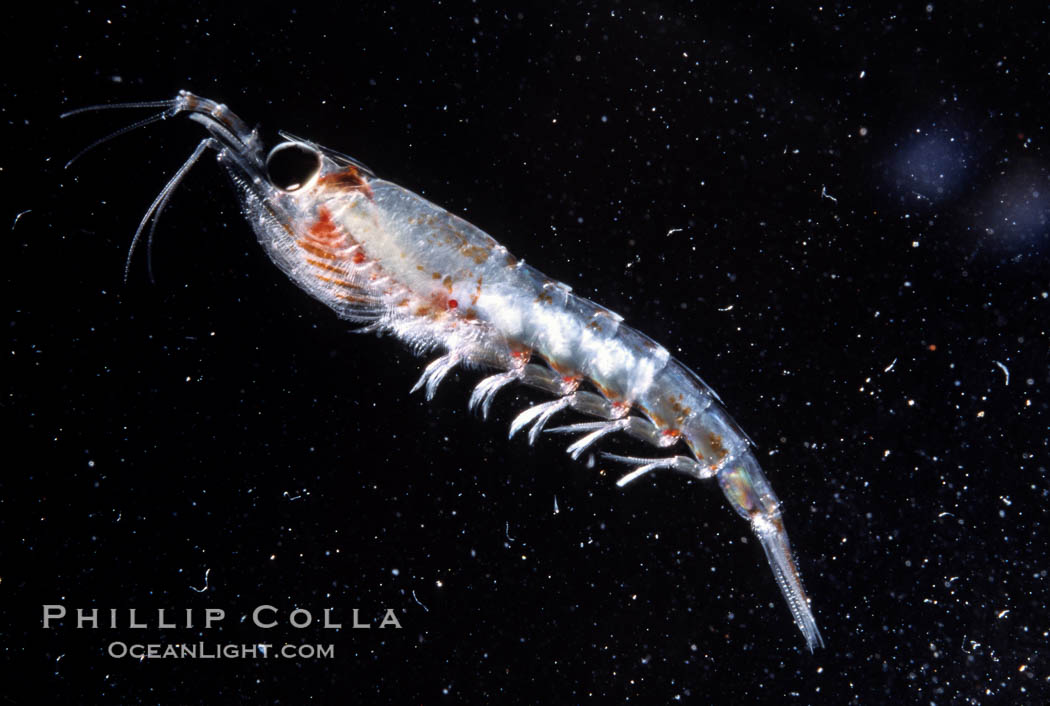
point(292, 165)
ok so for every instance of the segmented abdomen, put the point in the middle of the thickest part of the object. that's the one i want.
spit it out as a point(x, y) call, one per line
point(445, 283)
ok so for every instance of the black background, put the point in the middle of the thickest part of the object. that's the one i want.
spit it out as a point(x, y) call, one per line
point(839, 218)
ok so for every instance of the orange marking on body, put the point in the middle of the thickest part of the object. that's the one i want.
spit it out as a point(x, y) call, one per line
point(543, 298)
point(326, 266)
point(439, 301)
point(352, 298)
point(338, 282)
point(344, 177)
point(562, 370)
point(349, 178)
point(655, 418)
point(315, 250)
point(671, 433)
point(452, 303)
point(324, 227)
point(325, 237)
point(716, 444)
point(570, 379)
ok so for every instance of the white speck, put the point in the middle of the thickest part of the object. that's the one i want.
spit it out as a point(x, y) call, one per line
point(674, 230)
point(556, 510)
point(728, 308)
point(418, 601)
point(28, 210)
point(1002, 613)
point(863, 74)
point(202, 590)
point(1006, 371)
point(890, 366)
point(507, 530)
point(824, 193)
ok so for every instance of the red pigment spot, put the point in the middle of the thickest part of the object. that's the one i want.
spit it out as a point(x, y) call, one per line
point(324, 228)
point(358, 257)
point(519, 353)
point(349, 179)
point(452, 303)
point(671, 433)
point(568, 378)
point(439, 301)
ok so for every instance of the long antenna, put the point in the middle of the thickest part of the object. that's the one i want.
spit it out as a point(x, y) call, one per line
point(162, 200)
point(134, 126)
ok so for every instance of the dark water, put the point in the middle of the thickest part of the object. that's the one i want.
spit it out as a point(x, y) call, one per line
point(839, 218)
